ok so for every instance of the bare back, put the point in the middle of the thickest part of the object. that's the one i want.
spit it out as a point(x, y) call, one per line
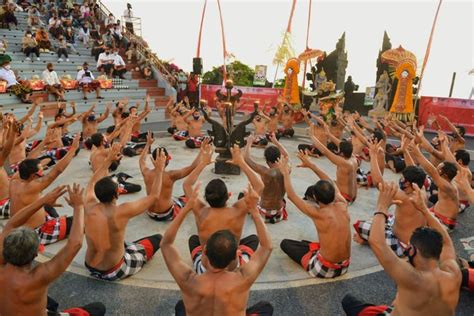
point(448, 201)
point(346, 177)
point(194, 127)
point(166, 194)
point(407, 218)
point(22, 194)
point(105, 236)
point(334, 232)
point(273, 190)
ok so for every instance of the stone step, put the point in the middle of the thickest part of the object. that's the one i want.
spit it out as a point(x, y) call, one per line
point(143, 83)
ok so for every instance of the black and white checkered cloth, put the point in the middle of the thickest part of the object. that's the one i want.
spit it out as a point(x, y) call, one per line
point(5, 209)
point(133, 261)
point(316, 268)
point(50, 231)
point(392, 241)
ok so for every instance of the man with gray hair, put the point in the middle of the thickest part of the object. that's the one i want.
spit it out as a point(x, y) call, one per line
point(24, 284)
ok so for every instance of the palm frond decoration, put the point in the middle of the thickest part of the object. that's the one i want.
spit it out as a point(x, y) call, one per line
point(285, 51)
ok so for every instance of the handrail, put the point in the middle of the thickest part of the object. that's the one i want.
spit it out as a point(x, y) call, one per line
point(141, 45)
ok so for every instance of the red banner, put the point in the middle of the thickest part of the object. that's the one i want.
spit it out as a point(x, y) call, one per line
point(250, 95)
point(458, 111)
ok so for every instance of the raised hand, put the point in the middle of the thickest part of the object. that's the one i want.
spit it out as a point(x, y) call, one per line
point(418, 200)
point(194, 197)
point(305, 161)
point(273, 138)
point(114, 153)
point(51, 197)
point(160, 161)
point(149, 138)
point(76, 195)
point(386, 196)
point(251, 197)
point(76, 141)
point(282, 165)
point(206, 154)
point(237, 158)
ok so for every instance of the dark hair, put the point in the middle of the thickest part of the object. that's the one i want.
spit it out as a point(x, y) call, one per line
point(110, 129)
point(59, 115)
point(132, 107)
point(49, 65)
point(124, 115)
point(20, 246)
point(346, 148)
point(106, 190)
point(379, 134)
point(414, 174)
point(28, 167)
point(324, 192)
point(155, 153)
point(216, 193)
point(272, 154)
point(461, 130)
point(428, 242)
point(449, 169)
point(97, 139)
point(221, 249)
point(463, 155)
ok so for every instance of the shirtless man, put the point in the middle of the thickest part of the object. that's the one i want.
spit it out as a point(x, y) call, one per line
point(433, 147)
point(181, 115)
point(137, 136)
point(194, 130)
point(9, 131)
point(287, 120)
point(272, 204)
point(330, 257)
point(219, 290)
point(26, 189)
point(347, 165)
point(273, 118)
point(401, 225)
point(320, 131)
point(25, 282)
point(167, 207)
point(19, 150)
point(260, 131)
point(90, 123)
point(446, 208)
point(429, 283)
point(108, 256)
point(120, 108)
point(218, 216)
point(457, 140)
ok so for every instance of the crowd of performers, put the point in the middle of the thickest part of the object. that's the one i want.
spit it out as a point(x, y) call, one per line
point(411, 240)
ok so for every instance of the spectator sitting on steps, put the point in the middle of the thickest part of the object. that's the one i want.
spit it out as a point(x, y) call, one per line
point(17, 87)
point(105, 63)
point(119, 65)
point(87, 82)
point(42, 37)
point(53, 85)
point(30, 45)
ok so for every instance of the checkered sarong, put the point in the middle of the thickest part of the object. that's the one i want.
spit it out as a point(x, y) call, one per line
point(180, 135)
point(245, 254)
point(170, 214)
point(197, 140)
point(5, 208)
point(273, 216)
point(57, 153)
point(319, 267)
point(132, 262)
point(53, 230)
point(463, 205)
point(363, 229)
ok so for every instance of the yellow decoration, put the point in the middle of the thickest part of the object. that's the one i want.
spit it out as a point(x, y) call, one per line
point(291, 91)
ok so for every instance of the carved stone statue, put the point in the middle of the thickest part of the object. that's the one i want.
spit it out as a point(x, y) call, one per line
point(224, 137)
point(383, 87)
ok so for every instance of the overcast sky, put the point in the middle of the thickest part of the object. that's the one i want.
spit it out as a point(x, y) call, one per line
point(254, 28)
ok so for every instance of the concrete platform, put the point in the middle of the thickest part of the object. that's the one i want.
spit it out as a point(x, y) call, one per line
point(280, 272)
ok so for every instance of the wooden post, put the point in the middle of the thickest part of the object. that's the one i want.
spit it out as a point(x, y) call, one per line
point(452, 84)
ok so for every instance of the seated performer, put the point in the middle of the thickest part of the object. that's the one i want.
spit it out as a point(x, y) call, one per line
point(217, 216)
point(346, 165)
point(108, 256)
point(218, 291)
point(429, 283)
point(273, 119)
point(167, 207)
point(320, 131)
point(457, 140)
point(330, 257)
point(137, 135)
point(272, 204)
point(27, 188)
point(90, 123)
point(24, 282)
point(260, 131)
point(181, 115)
point(194, 130)
point(287, 120)
point(401, 225)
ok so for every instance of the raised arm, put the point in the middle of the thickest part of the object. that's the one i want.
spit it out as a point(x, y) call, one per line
point(51, 270)
point(282, 148)
point(105, 115)
point(335, 159)
point(252, 176)
point(144, 154)
point(297, 201)
point(254, 267)
point(30, 113)
point(43, 182)
point(331, 136)
point(377, 177)
point(452, 128)
point(428, 167)
point(206, 158)
point(248, 159)
point(132, 209)
point(37, 128)
point(399, 270)
point(9, 133)
point(180, 271)
point(184, 172)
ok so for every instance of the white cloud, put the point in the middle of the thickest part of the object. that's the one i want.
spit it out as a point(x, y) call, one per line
point(254, 29)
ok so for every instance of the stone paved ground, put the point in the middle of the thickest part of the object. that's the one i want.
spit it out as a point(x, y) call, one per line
point(153, 292)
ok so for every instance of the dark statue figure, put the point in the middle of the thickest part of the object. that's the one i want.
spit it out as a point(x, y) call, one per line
point(224, 137)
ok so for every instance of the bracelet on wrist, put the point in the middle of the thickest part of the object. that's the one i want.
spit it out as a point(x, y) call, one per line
point(382, 213)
